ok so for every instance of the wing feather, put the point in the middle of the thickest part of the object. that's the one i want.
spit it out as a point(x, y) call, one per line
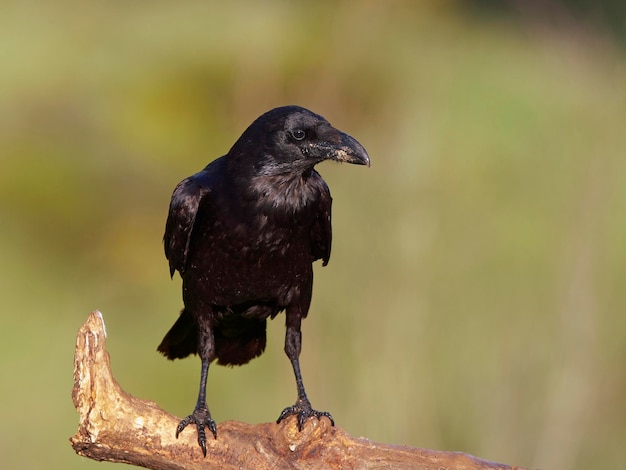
point(184, 206)
point(321, 232)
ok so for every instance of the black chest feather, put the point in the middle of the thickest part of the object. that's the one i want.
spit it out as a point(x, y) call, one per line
point(255, 245)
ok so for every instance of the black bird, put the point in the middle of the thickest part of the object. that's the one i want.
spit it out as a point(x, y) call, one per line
point(243, 234)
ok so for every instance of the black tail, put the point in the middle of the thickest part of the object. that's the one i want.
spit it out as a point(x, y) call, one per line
point(239, 339)
point(182, 339)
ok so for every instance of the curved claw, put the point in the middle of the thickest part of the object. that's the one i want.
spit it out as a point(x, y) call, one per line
point(201, 418)
point(303, 411)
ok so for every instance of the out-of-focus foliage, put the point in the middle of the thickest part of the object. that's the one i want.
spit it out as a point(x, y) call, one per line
point(600, 15)
point(475, 300)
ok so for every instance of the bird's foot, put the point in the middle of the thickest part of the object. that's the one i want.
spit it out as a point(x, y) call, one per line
point(303, 411)
point(201, 417)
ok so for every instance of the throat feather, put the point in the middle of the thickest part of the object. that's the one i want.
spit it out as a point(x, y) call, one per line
point(288, 193)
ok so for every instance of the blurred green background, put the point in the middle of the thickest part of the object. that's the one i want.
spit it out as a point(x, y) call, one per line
point(476, 296)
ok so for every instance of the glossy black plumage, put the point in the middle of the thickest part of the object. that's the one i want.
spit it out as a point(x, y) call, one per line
point(243, 234)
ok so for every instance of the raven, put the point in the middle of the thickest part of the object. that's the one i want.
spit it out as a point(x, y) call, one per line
point(243, 234)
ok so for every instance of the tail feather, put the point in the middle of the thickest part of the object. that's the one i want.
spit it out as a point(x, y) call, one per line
point(182, 339)
point(238, 339)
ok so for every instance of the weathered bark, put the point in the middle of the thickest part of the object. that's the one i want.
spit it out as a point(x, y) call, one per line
point(117, 427)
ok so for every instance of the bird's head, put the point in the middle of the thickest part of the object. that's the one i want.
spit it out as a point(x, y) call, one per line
point(292, 139)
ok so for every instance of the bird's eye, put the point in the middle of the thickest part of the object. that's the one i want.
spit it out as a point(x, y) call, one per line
point(298, 134)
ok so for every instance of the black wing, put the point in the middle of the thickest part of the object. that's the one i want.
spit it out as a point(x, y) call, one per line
point(186, 200)
point(322, 232)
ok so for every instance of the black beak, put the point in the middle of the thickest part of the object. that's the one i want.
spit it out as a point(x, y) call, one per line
point(349, 150)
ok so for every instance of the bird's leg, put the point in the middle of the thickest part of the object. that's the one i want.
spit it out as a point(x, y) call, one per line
point(201, 416)
point(302, 408)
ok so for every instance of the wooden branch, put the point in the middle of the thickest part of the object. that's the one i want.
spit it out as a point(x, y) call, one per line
point(117, 427)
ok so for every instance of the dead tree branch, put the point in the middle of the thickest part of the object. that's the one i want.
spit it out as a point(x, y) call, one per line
point(117, 427)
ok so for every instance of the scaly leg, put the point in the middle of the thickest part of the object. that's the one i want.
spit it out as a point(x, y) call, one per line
point(293, 344)
point(201, 416)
